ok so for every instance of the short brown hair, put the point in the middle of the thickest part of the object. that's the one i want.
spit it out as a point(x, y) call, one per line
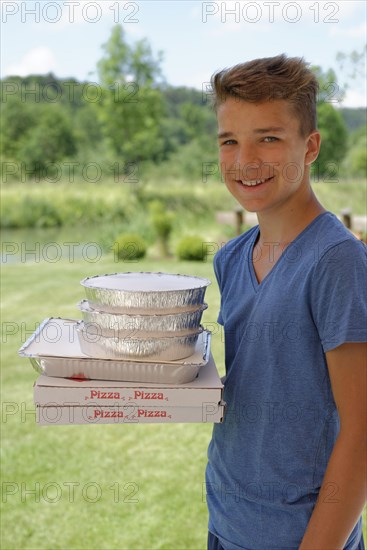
point(270, 78)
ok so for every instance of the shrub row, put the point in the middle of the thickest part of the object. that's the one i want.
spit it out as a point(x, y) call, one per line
point(130, 247)
point(60, 207)
point(50, 205)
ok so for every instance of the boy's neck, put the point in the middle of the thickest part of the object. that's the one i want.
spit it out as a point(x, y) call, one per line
point(284, 225)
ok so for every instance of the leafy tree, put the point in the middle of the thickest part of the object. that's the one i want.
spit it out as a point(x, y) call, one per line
point(87, 129)
point(194, 159)
point(187, 118)
point(354, 118)
point(17, 118)
point(198, 120)
point(333, 141)
point(330, 124)
point(36, 120)
point(355, 162)
point(49, 141)
point(354, 62)
point(131, 108)
point(330, 90)
point(175, 96)
point(359, 133)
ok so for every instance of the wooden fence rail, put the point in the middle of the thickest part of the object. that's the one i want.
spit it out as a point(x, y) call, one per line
point(239, 218)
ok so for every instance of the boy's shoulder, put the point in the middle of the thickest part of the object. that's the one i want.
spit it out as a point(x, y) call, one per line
point(324, 238)
point(234, 249)
point(238, 242)
point(330, 237)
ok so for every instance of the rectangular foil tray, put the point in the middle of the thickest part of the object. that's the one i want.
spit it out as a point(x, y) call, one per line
point(54, 350)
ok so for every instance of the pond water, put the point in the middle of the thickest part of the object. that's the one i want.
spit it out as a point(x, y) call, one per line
point(54, 244)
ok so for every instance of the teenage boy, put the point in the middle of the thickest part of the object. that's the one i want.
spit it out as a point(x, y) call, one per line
point(287, 467)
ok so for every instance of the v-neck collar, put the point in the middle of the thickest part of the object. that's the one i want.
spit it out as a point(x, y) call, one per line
point(256, 285)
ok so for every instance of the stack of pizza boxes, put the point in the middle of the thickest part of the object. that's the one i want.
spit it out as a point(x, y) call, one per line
point(138, 355)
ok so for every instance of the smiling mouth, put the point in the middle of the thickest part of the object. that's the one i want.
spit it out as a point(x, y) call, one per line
point(253, 183)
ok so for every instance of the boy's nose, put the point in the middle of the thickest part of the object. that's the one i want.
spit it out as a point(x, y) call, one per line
point(248, 162)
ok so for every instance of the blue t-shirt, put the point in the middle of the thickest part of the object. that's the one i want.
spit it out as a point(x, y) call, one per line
point(268, 458)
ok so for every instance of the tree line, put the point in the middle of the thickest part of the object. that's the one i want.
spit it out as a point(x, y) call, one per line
point(132, 117)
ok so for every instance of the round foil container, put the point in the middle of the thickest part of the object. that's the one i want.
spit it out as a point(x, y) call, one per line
point(146, 293)
point(169, 348)
point(123, 324)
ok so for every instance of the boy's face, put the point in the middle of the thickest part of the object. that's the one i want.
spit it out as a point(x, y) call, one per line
point(264, 159)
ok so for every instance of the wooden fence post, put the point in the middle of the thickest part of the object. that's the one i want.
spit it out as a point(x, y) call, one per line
point(240, 215)
point(346, 215)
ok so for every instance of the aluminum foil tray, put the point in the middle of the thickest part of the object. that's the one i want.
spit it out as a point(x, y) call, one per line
point(143, 292)
point(54, 350)
point(169, 348)
point(122, 324)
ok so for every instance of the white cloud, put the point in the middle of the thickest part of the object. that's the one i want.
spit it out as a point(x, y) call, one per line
point(354, 98)
point(39, 60)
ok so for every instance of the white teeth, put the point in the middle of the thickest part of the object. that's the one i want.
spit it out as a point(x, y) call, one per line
point(253, 182)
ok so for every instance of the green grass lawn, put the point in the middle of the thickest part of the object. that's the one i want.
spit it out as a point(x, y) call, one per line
point(94, 487)
point(149, 477)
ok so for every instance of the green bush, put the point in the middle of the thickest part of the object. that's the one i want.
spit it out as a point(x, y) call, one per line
point(162, 222)
point(129, 247)
point(191, 248)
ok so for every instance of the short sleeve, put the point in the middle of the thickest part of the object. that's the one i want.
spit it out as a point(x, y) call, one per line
point(339, 294)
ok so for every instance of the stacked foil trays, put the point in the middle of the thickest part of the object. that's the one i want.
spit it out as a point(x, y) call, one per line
point(141, 329)
point(136, 316)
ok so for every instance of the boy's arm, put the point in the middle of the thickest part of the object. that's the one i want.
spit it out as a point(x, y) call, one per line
point(343, 491)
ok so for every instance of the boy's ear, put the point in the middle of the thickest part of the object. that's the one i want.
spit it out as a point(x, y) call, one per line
point(313, 147)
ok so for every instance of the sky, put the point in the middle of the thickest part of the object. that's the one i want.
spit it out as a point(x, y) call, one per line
point(196, 38)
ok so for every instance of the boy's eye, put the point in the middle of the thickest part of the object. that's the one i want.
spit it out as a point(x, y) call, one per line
point(270, 139)
point(229, 142)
